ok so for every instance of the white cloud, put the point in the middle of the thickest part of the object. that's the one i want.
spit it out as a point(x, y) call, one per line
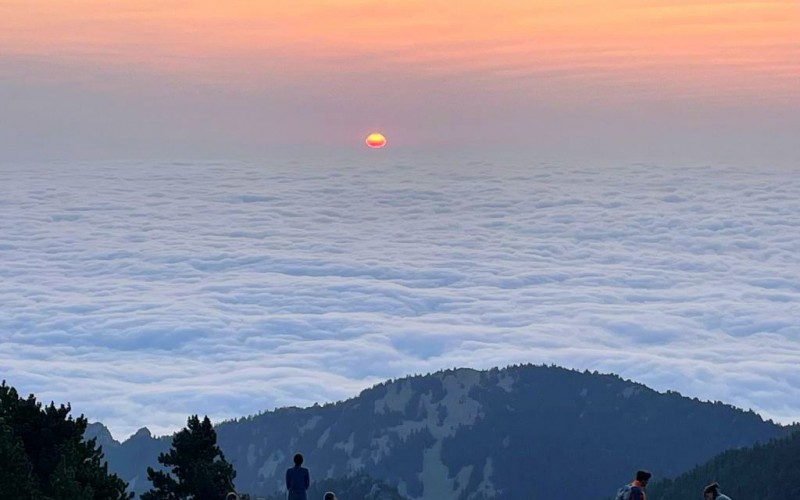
point(143, 292)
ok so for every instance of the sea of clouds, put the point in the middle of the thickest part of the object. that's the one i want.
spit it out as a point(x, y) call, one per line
point(145, 292)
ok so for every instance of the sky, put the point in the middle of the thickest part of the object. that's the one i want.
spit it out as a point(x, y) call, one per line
point(642, 80)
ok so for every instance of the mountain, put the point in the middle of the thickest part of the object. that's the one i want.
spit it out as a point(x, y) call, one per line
point(357, 486)
point(531, 432)
point(131, 458)
point(769, 471)
point(103, 436)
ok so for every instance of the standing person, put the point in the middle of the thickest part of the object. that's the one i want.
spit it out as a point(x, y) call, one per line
point(711, 492)
point(297, 480)
point(636, 490)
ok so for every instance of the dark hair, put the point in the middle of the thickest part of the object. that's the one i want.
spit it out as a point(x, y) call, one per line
point(643, 475)
point(329, 496)
point(298, 459)
point(712, 488)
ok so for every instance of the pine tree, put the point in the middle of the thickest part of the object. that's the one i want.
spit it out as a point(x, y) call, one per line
point(65, 483)
point(16, 480)
point(770, 470)
point(197, 467)
point(43, 454)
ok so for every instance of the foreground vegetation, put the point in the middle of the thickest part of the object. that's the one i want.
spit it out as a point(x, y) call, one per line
point(43, 455)
point(771, 470)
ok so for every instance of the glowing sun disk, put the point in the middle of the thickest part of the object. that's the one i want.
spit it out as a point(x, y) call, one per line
point(376, 140)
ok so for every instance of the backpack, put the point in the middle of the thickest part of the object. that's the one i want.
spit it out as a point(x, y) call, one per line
point(624, 493)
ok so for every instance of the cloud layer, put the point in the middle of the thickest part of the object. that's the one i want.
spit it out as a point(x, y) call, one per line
point(143, 292)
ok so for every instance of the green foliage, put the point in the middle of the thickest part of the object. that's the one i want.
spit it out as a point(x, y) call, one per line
point(770, 470)
point(16, 480)
point(197, 467)
point(43, 454)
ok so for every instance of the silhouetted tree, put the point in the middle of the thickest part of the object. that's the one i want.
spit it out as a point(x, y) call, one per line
point(43, 454)
point(197, 467)
point(770, 470)
point(16, 480)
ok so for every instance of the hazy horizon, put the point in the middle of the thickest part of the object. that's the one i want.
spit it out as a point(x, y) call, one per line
point(633, 80)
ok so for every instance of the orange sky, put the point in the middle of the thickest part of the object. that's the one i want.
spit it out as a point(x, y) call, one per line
point(565, 52)
point(696, 47)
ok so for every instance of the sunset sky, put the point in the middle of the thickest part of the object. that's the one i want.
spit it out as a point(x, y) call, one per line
point(636, 79)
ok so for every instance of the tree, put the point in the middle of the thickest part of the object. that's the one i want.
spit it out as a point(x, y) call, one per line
point(197, 467)
point(769, 470)
point(43, 454)
point(15, 469)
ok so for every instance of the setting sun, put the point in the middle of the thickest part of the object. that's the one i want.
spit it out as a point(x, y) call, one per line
point(376, 140)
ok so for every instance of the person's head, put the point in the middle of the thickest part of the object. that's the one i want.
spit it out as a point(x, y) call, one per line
point(711, 492)
point(298, 460)
point(329, 496)
point(643, 476)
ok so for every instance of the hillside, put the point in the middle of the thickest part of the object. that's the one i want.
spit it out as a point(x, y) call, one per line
point(358, 486)
point(769, 471)
point(519, 432)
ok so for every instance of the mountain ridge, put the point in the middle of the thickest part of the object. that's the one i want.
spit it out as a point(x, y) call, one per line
point(471, 434)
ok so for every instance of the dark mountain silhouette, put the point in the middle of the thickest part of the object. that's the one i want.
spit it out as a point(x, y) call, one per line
point(769, 471)
point(132, 457)
point(532, 432)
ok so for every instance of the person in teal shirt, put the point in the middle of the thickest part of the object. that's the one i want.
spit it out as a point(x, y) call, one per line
point(711, 492)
